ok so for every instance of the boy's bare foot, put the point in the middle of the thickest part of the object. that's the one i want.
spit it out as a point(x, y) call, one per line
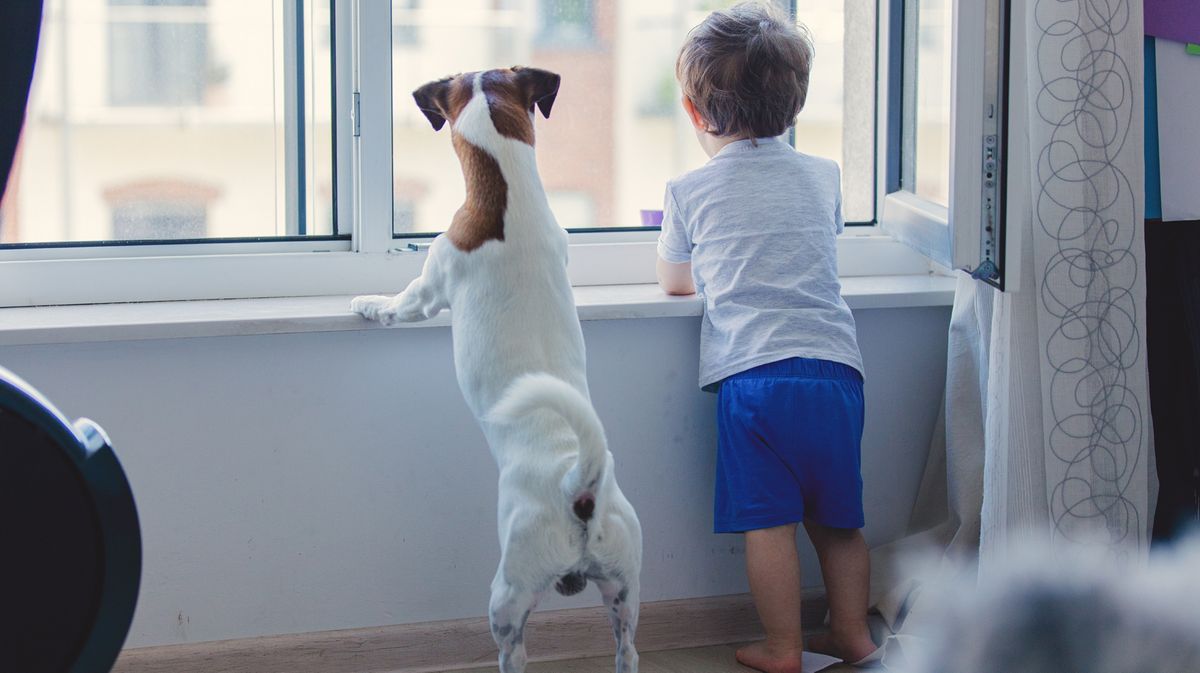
point(847, 649)
point(770, 659)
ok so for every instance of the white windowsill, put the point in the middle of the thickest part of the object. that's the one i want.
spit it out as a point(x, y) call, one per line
point(239, 317)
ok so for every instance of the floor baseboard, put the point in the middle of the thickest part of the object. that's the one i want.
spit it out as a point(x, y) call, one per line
point(463, 643)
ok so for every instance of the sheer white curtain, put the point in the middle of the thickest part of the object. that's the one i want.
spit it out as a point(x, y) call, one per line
point(1047, 419)
point(1085, 91)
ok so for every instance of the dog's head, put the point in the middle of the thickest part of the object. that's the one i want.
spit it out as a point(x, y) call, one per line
point(512, 95)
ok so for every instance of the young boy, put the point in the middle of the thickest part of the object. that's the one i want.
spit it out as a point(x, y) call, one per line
point(754, 231)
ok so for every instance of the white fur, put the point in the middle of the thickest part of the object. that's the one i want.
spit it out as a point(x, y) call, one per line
point(519, 356)
point(543, 391)
point(1053, 611)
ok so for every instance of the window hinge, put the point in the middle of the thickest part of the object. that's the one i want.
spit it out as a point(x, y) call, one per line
point(992, 209)
point(356, 115)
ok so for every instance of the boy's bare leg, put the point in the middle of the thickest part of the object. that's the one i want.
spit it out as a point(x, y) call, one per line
point(773, 567)
point(846, 567)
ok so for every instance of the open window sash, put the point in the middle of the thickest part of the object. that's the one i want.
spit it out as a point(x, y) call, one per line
point(968, 233)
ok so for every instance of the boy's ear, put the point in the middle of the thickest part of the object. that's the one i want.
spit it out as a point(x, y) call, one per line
point(433, 99)
point(694, 115)
point(540, 88)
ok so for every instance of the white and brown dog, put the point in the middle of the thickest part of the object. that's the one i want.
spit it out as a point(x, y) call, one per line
point(518, 350)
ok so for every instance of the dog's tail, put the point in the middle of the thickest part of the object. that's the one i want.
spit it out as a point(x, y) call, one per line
point(544, 391)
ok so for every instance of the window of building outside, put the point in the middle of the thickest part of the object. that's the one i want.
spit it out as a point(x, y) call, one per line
point(406, 23)
point(158, 52)
point(566, 22)
point(157, 220)
point(163, 210)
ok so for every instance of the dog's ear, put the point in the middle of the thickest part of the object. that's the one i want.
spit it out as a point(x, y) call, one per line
point(539, 87)
point(433, 99)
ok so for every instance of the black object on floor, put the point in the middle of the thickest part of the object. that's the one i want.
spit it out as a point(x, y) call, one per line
point(72, 551)
point(1173, 342)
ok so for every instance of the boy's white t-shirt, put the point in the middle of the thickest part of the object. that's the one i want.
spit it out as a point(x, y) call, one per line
point(760, 225)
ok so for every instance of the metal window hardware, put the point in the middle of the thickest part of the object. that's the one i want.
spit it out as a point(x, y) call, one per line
point(355, 115)
point(992, 172)
point(411, 247)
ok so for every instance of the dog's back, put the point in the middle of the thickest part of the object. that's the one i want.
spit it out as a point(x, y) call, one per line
point(519, 357)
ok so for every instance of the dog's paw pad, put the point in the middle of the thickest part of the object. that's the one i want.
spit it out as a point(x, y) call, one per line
point(387, 318)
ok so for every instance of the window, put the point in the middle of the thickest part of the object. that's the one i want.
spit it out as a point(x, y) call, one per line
point(406, 31)
point(566, 23)
point(618, 133)
point(158, 52)
point(927, 134)
point(575, 207)
point(160, 211)
point(235, 95)
point(271, 148)
point(942, 186)
point(405, 195)
point(148, 220)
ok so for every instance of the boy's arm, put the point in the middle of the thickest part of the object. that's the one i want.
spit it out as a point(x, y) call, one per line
point(675, 278)
point(674, 250)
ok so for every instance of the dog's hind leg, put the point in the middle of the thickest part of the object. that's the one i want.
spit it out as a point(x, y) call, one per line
point(622, 600)
point(508, 613)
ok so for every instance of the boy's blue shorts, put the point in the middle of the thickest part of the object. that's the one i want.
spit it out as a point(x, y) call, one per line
point(789, 438)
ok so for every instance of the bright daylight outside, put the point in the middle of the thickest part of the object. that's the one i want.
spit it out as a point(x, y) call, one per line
point(168, 119)
point(617, 132)
point(176, 119)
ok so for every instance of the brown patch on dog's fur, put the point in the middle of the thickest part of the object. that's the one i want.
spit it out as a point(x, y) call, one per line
point(507, 107)
point(512, 96)
point(460, 94)
point(481, 217)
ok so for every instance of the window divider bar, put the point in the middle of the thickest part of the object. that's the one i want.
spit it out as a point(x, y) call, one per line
point(295, 161)
point(372, 25)
point(343, 116)
point(910, 32)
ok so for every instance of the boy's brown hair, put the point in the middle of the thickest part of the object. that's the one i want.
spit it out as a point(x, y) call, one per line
point(746, 70)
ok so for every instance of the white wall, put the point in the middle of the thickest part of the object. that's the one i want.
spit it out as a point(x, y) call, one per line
point(321, 481)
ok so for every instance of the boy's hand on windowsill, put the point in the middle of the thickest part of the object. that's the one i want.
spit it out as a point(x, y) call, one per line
point(675, 278)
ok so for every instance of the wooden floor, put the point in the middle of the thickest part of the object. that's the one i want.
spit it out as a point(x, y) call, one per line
point(717, 659)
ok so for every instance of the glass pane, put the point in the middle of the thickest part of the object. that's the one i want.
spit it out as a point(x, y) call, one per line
point(617, 132)
point(170, 119)
point(929, 175)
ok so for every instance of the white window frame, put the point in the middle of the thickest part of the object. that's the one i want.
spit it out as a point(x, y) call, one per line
point(372, 260)
point(956, 236)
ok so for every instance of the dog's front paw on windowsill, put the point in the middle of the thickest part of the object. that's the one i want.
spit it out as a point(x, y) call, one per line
point(372, 307)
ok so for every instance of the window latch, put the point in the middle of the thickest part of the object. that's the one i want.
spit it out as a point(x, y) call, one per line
point(411, 247)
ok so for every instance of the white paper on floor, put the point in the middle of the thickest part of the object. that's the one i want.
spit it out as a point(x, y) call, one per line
point(814, 662)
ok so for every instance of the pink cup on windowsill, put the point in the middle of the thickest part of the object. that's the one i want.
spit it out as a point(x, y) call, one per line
point(652, 218)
